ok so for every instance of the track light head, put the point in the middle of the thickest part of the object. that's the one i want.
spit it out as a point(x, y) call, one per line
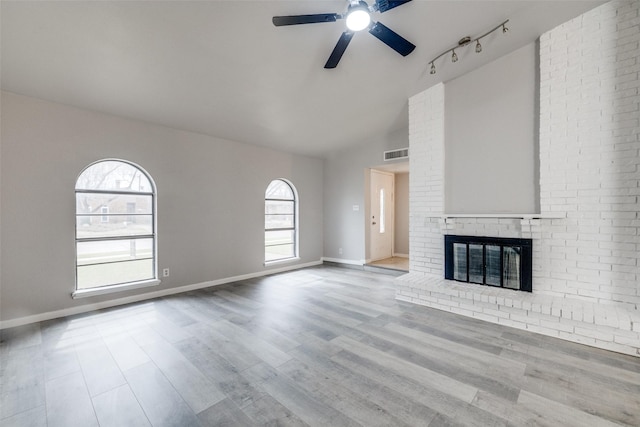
point(433, 69)
point(454, 57)
point(478, 46)
point(505, 29)
point(464, 41)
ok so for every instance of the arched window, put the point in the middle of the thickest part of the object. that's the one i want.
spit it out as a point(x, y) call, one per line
point(115, 226)
point(280, 221)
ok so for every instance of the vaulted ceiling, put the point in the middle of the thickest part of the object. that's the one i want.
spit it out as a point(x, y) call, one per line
point(222, 68)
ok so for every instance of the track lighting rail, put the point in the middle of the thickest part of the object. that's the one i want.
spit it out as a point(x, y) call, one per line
point(466, 41)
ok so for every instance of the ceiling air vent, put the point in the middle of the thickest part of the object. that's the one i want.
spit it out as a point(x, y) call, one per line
point(402, 153)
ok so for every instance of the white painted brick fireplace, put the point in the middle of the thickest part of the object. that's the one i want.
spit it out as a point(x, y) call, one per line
point(586, 239)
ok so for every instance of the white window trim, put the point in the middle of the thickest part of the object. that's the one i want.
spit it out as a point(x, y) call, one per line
point(102, 290)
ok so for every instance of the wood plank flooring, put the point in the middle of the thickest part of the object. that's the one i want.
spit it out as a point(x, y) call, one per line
point(394, 263)
point(323, 346)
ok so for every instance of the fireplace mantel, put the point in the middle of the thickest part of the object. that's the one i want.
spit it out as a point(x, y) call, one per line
point(504, 215)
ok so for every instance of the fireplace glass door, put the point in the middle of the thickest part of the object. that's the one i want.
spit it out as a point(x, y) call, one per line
point(476, 263)
point(460, 262)
point(499, 262)
point(511, 267)
point(492, 265)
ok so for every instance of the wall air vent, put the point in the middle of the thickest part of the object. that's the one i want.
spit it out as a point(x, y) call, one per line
point(402, 153)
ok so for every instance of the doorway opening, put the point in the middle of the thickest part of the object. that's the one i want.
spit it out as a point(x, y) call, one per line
point(387, 217)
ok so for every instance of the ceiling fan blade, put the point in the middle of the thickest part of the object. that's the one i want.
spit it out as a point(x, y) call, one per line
point(395, 41)
point(341, 46)
point(279, 21)
point(384, 5)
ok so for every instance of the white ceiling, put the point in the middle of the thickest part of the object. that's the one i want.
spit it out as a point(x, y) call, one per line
point(221, 68)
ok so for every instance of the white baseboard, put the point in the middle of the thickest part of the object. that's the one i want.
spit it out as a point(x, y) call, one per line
point(4, 324)
point(343, 261)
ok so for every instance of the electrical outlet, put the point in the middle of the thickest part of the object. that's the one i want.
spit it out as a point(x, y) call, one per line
point(165, 272)
point(339, 251)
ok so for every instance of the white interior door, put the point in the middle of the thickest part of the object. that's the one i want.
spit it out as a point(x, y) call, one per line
point(381, 217)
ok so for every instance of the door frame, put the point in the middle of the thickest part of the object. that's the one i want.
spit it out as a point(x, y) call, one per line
point(368, 212)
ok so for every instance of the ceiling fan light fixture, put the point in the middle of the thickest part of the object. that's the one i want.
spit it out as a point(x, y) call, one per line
point(358, 18)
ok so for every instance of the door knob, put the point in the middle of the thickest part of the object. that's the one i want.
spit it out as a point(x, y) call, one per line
point(373, 223)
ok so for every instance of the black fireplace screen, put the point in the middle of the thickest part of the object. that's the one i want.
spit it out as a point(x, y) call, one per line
point(492, 261)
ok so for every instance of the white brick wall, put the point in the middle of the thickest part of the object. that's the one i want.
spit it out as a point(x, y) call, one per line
point(426, 181)
point(590, 157)
point(586, 276)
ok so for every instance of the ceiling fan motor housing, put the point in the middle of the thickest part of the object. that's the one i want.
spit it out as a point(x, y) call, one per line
point(358, 5)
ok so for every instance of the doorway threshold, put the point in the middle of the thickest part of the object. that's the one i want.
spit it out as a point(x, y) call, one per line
point(389, 265)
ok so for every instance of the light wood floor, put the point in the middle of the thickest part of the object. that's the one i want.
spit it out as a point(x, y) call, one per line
point(394, 263)
point(323, 346)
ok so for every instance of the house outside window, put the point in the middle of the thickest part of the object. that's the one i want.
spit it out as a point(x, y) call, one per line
point(105, 213)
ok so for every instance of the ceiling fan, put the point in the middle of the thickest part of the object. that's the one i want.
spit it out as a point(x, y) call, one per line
point(358, 18)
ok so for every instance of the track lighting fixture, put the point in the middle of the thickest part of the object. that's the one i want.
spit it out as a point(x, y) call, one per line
point(464, 42)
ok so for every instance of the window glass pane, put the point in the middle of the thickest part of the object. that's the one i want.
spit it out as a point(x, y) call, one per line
point(460, 262)
point(278, 221)
point(382, 218)
point(93, 276)
point(114, 175)
point(511, 267)
point(278, 207)
point(278, 189)
point(113, 250)
point(91, 227)
point(272, 253)
point(493, 265)
point(92, 203)
point(280, 237)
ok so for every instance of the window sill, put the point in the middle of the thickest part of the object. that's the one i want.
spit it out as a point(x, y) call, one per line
point(281, 261)
point(84, 293)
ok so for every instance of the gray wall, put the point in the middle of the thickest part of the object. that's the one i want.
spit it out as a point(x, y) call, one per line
point(210, 200)
point(491, 137)
point(344, 186)
point(401, 231)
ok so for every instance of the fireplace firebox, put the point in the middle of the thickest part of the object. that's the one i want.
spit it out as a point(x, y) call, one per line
point(491, 261)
